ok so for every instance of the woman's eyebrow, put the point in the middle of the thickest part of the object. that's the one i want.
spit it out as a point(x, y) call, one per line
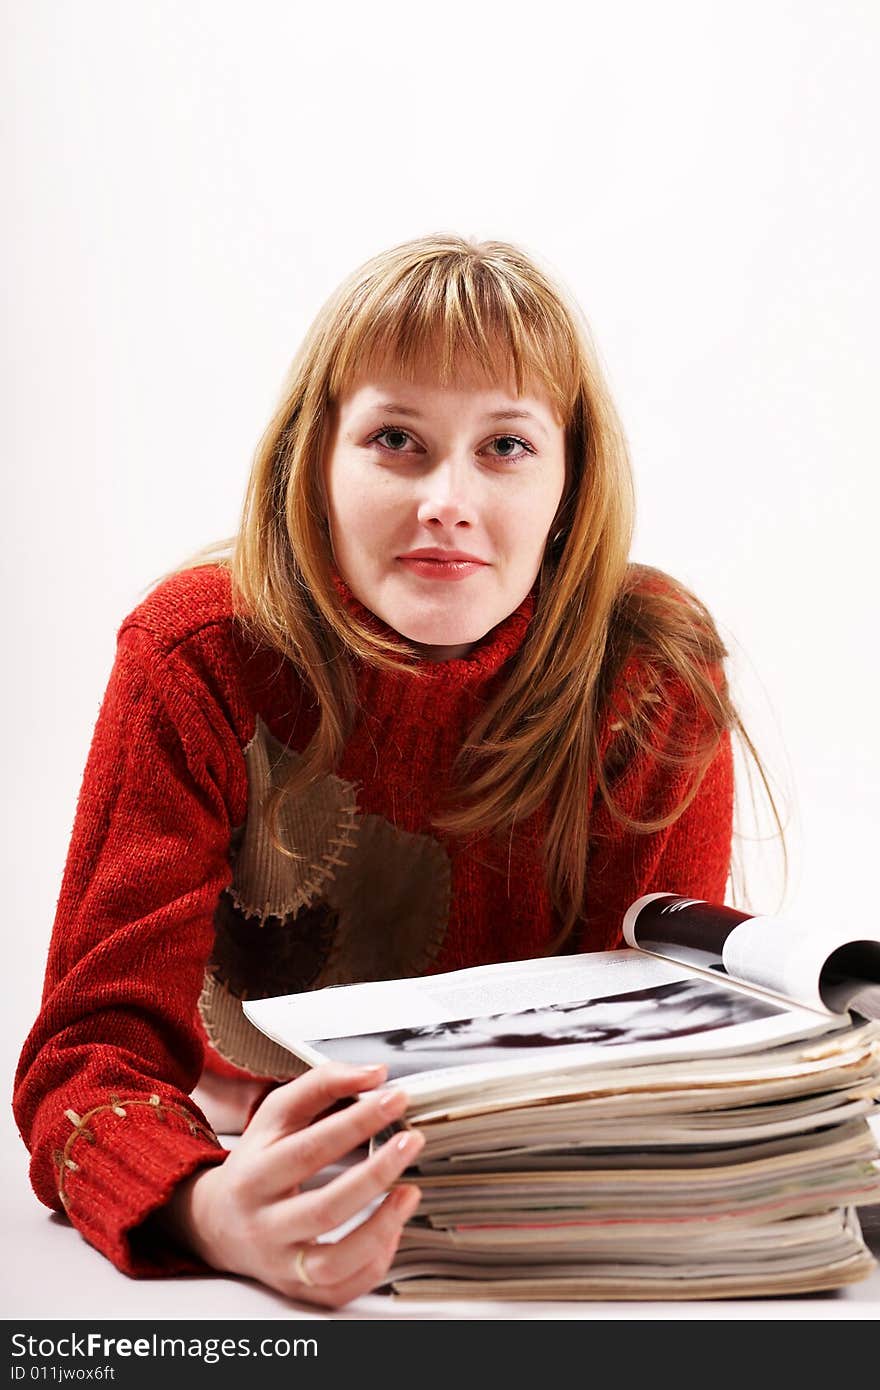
point(506, 414)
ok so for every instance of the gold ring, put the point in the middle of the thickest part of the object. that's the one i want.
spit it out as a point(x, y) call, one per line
point(300, 1272)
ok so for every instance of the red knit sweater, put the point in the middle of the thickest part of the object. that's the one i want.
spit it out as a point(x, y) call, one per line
point(173, 905)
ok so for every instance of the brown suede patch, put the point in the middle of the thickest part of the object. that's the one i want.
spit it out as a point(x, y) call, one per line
point(366, 902)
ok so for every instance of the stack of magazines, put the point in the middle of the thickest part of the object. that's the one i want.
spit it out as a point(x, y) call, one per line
point(686, 1118)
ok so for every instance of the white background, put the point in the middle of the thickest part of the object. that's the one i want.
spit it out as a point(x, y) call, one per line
point(187, 183)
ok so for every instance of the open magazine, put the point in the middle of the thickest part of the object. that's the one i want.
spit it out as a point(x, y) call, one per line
point(687, 1117)
point(698, 980)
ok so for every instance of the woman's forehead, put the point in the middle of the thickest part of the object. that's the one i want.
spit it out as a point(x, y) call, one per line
point(390, 382)
point(426, 372)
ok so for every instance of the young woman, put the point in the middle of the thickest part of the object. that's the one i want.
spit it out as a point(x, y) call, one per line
point(421, 713)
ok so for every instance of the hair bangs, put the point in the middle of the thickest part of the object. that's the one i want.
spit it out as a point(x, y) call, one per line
point(454, 318)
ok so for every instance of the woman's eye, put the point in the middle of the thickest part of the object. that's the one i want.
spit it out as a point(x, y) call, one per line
point(395, 446)
point(391, 434)
point(512, 439)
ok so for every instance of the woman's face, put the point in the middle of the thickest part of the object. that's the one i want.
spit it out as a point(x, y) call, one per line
point(465, 470)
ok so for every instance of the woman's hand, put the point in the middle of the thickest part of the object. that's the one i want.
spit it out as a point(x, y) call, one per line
point(251, 1215)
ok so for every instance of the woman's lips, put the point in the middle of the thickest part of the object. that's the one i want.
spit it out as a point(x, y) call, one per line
point(441, 569)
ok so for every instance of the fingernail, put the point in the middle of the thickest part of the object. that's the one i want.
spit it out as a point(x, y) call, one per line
point(409, 1143)
point(390, 1100)
point(375, 1070)
point(407, 1197)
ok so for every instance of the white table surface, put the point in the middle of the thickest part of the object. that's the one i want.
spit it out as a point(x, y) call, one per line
point(57, 1274)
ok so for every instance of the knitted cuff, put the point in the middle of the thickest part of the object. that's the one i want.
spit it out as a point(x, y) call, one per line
point(121, 1162)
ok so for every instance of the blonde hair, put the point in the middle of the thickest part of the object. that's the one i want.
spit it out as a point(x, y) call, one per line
point(456, 304)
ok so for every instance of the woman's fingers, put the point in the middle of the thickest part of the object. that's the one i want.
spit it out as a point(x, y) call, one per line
point(292, 1160)
point(321, 1209)
point(340, 1271)
point(256, 1218)
point(295, 1104)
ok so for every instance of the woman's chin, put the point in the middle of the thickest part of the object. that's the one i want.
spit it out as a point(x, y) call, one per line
point(439, 644)
point(435, 629)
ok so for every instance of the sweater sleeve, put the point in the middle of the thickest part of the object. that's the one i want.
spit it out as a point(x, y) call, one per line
point(691, 855)
point(101, 1092)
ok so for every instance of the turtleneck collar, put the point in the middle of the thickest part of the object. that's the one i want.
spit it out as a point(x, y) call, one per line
point(468, 673)
point(411, 724)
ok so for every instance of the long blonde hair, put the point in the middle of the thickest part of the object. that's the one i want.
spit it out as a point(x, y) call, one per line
point(456, 304)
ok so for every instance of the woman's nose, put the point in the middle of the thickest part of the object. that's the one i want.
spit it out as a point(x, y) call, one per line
point(448, 496)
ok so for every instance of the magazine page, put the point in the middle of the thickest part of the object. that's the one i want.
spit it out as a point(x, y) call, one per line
point(841, 1059)
point(820, 965)
point(546, 1015)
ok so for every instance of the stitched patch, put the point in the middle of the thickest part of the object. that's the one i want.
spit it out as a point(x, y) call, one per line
point(382, 913)
point(320, 825)
point(273, 956)
point(236, 1039)
point(393, 900)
